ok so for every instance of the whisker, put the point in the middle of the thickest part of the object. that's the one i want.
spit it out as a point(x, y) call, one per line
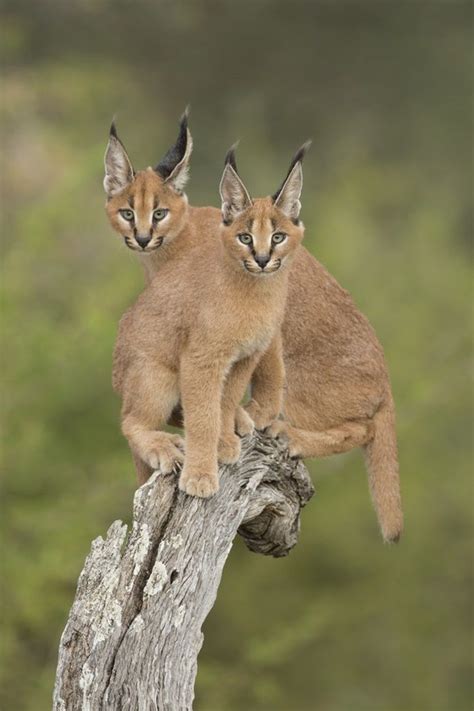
point(130, 244)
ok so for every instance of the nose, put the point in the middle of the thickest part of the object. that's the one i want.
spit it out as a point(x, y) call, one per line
point(262, 260)
point(143, 240)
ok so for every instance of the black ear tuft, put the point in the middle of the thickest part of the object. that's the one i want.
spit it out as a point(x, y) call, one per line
point(176, 153)
point(234, 194)
point(230, 157)
point(118, 169)
point(113, 130)
point(297, 158)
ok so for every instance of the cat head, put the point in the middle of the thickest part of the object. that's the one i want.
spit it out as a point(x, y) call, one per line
point(262, 234)
point(147, 208)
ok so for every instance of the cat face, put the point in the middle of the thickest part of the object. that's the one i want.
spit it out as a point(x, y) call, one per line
point(148, 208)
point(262, 235)
point(147, 213)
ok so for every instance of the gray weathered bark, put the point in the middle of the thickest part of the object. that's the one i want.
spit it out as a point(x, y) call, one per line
point(134, 630)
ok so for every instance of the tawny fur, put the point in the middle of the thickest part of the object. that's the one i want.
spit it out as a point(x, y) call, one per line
point(195, 335)
point(337, 393)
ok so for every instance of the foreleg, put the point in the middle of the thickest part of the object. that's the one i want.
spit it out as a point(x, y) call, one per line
point(150, 393)
point(201, 392)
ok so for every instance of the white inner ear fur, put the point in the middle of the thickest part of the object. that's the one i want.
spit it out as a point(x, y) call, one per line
point(180, 175)
point(288, 199)
point(234, 195)
point(118, 169)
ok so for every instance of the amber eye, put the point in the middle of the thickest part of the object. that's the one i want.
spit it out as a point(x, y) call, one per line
point(127, 215)
point(159, 214)
point(279, 237)
point(245, 238)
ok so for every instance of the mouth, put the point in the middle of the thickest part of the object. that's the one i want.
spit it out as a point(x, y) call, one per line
point(258, 271)
point(153, 244)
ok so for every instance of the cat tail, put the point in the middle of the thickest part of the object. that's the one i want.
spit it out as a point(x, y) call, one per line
point(384, 480)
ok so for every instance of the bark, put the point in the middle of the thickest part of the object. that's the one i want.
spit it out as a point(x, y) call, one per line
point(134, 630)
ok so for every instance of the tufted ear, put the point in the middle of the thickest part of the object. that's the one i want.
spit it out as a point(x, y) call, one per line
point(234, 194)
point(174, 166)
point(287, 197)
point(118, 169)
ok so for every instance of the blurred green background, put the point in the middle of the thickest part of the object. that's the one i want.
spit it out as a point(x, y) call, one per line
point(384, 90)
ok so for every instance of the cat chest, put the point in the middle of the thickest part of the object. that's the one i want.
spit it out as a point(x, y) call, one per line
point(255, 341)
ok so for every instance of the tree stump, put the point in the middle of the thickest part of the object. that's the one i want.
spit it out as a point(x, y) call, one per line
point(134, 630)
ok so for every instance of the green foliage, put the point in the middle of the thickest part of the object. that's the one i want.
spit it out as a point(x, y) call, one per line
point(344, 622)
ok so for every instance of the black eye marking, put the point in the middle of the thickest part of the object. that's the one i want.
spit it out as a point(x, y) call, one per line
point(279, 237)
point(160, 214)
point(128, 215)
point(245, 238)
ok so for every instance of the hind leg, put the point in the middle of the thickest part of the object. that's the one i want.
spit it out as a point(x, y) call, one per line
point(150, 394)
point(233, 391)
point(268, 381)
point(244, 425)
point(335, 440)
point(144, 471)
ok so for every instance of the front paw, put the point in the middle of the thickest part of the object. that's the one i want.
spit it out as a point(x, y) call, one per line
point(165, 452)
point(229, 449)
point(197, 484)
point(244, 425)
point(261, 416)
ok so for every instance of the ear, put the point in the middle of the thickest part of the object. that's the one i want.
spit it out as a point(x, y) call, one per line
point(287, 197)
point(118, 169)
point(174, 166)
point(234, 194)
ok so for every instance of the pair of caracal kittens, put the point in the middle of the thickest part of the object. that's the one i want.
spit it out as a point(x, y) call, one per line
point(237, 299)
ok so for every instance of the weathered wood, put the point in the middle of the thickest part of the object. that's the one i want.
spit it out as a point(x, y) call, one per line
point(134, 630)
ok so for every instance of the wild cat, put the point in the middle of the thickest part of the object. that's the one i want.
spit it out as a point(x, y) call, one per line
point(149, 208)
point(337, 392)
point(197, 332)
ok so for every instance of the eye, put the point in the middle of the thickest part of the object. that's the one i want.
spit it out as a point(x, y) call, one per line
point(159, 214)
point(279, 237)
point(245, 238)
point(127, 215)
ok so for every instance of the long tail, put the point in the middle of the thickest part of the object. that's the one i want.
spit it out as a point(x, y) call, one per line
point(384, 479)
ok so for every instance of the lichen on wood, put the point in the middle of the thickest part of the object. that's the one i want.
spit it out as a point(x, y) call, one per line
point(134, 630)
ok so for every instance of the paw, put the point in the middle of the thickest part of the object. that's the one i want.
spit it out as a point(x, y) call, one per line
point(229, 449)
point(244, 425)
point(262, 417)
point(178, 441)
point(278, 429)
point(166, 453)
point(202, 485)
point(294, 448)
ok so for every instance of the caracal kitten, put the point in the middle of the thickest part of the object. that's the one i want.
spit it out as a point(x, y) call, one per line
point(198, 330)
point(149, 208)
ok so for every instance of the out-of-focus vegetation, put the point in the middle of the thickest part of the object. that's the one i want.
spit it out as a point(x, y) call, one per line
point(384, 90)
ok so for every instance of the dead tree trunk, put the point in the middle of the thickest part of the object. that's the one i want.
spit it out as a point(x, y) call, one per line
point(134, 630)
